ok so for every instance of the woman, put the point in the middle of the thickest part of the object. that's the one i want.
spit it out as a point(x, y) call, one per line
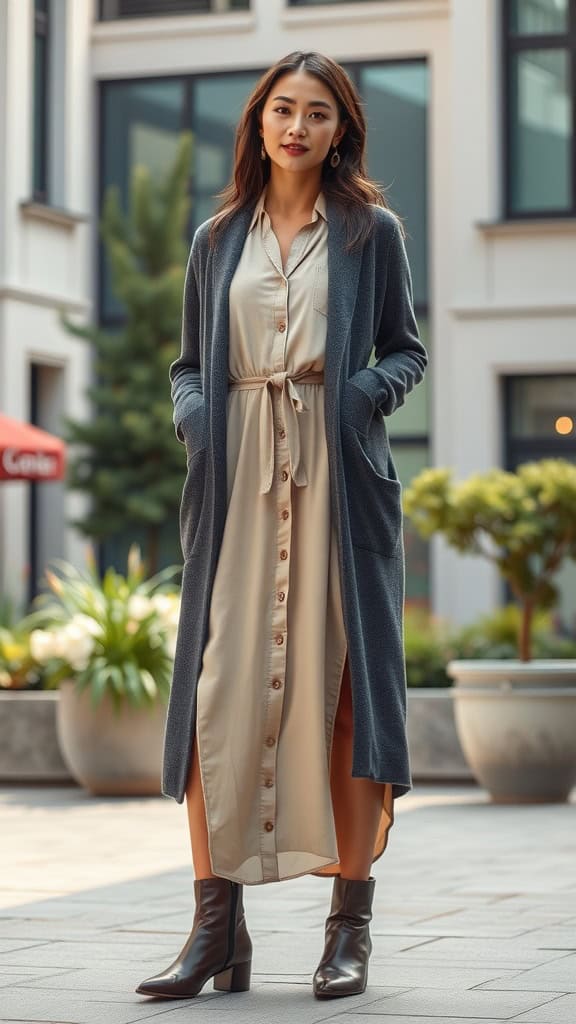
point(289, 669)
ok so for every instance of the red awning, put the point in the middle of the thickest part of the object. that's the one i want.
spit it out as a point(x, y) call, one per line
point(28, 453)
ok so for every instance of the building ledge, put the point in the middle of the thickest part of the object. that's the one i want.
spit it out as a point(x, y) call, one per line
point(528, 226)
point(514, 311)
point(126, 30)
point(31, 297)
point(371, 10)
point(68, 219)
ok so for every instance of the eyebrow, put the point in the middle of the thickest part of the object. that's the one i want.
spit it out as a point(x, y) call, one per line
point(312, 103)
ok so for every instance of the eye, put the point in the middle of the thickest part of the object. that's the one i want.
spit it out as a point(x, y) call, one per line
point(278, 110)
point(319, 114)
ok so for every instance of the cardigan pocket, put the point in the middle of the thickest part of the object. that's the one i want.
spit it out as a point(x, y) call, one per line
point(374, 491)
point(193, 429)
point(191, 503)
point(194, 432)
point(357, 407)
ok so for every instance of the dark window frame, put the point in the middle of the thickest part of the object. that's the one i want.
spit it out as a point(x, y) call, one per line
point(512, 44)
point(532, 446)
point(195, 7)
point(40, 180)
point(317, 3)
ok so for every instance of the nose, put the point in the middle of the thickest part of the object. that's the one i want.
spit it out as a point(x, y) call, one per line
point(296, 128)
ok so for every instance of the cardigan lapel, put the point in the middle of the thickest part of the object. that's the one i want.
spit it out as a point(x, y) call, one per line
point(343, 274)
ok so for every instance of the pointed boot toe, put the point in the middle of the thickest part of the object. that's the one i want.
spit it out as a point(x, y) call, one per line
point(343, 969)
point(218, 946)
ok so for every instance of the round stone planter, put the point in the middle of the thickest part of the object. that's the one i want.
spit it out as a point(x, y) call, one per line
point(109, 752)
point(516, 722)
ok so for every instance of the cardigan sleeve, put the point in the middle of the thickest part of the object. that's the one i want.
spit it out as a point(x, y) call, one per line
point(185, 371)
point(400, 355)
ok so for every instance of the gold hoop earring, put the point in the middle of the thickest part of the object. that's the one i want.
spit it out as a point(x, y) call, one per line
point(263, 153)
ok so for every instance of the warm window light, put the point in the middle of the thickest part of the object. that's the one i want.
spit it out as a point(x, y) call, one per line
point(564, 425)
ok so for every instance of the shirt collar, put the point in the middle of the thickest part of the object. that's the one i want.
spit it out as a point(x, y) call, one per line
point(259, 211)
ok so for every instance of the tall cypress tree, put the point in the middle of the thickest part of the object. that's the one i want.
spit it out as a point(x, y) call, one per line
point(129, 461)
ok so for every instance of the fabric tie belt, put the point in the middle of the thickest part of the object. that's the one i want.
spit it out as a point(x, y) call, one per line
point(291, 403)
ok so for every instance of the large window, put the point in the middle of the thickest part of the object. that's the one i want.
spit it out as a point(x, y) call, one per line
point(540, 81)
point(40, 133)
point(141, 122)
point(113, 9)
point(541, 424)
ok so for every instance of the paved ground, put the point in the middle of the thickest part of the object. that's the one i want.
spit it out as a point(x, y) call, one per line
point(475, 916)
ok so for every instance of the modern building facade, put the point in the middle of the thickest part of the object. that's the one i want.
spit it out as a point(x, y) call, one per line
point(472, 131)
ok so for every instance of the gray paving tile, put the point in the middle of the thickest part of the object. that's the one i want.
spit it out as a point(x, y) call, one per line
point(558, 976)
point(433, 1003)
point(559, 1011)
point(105, 887)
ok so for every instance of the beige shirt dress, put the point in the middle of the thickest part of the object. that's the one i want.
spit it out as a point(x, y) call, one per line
point(273, 662)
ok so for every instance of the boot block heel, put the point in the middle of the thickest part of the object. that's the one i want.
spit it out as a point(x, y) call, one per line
point(234, 979)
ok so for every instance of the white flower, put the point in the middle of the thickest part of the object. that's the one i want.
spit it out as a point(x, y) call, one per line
point(42, 645)
point(86, 622)
point(74, 645)
point(139, 606)
point(168, 609)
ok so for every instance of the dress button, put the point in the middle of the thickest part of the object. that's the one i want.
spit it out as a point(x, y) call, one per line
point(281, 595)
point(269, 783)
point(276, 684)
point(284, 474)
point(279, 639)
point(281, 433)
point(269, 826)
point(270, 741)
point(285, 514)
point(284, 553)
point(282, 327)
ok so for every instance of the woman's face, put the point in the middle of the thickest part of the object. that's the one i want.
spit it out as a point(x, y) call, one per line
point(300, 112)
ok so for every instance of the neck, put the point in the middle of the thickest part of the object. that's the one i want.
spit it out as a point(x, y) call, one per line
point(291, 195)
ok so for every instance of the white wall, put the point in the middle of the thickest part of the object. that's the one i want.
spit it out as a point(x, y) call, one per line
point(45, 258)
point(512, 304)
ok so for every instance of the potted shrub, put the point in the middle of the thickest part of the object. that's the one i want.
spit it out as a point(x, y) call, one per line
point(516, 717)
point(108, 646)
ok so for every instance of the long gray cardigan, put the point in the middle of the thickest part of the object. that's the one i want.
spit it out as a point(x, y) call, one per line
point(370, 304)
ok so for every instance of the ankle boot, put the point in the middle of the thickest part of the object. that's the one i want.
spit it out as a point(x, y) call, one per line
point(218, 946)
point(343, 969)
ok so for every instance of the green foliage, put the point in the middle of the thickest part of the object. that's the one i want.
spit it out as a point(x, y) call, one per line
point(431, 643)
point(496, 636)
point(115, 635)
point(18, 670)
point(427, 648)
point(128, 459)
point(524, 522)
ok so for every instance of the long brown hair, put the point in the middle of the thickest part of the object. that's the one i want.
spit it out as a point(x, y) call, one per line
point(348, 184)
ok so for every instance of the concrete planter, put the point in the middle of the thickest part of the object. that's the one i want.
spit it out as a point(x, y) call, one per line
point(29, 749)
point(435, 751)
point(111, 753)
point(516, 722)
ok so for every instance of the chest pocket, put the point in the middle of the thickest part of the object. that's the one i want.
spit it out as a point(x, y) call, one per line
point(320, 293)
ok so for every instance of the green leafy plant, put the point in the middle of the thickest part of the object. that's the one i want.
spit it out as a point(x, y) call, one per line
point(496, 636)
point(524, 522)
point(111, 636)
point(427, 648)
point(126, 457)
